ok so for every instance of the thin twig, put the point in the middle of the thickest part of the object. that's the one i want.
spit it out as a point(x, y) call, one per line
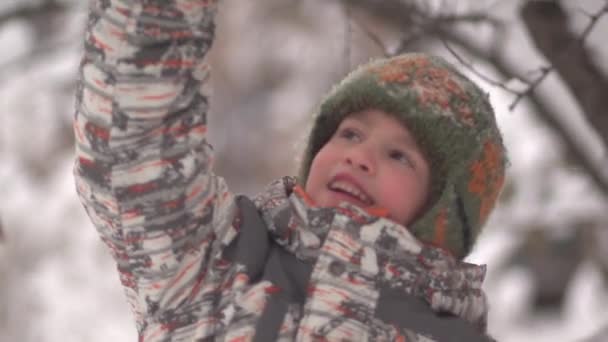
point(545, 71)
point(428, 24)
point(572, 149)
point(518, 94)
point(476, 72)
point(374, 38)
point(468, 18)
point(593, 19)
point(412, 16)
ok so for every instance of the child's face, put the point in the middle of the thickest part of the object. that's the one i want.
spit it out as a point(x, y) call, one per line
point(371, 161)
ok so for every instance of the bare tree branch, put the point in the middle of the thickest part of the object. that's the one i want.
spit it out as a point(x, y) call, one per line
point(519, 95)
point(544, 71)
point(374, 38)
point(548, 26)
point(469, 65)
point(416, 20)
point(572, 148)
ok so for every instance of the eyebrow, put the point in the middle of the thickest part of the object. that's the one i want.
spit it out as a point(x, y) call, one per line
point(405, 138)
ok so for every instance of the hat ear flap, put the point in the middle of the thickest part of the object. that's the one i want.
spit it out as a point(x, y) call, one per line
point(485, 178)
point(446, 224)
point(463, 207)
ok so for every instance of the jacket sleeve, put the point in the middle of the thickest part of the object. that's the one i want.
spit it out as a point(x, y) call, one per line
point(143, 166)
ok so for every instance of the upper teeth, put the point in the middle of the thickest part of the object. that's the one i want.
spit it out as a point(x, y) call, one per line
point(351, 190)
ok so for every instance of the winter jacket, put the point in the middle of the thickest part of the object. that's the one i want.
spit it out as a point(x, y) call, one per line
point(199, 263)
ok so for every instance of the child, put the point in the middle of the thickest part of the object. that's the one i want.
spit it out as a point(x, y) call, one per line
point(403, 166)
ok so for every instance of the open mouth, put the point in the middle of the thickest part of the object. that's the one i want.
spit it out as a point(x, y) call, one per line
point(350, 190)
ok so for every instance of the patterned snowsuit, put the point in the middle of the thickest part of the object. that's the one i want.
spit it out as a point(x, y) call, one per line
point(199, 263)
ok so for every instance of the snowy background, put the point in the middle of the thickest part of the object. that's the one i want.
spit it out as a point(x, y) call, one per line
point(273, 60)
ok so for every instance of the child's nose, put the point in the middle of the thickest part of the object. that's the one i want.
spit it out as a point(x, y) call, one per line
point(361, 159)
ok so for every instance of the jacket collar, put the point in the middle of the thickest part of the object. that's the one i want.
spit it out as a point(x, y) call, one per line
point(447, 284)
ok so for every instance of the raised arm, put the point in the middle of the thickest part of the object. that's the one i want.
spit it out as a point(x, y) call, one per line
point(144, 167)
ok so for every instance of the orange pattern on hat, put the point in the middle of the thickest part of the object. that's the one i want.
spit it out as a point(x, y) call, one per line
point(398, 71)
point(487, 178)
point(465, 114)
point(437, 86)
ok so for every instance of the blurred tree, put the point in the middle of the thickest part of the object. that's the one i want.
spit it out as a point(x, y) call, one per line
point(46, 21)
point(36, 137)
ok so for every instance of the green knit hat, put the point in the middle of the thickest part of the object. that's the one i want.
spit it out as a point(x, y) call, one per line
point(452, 122)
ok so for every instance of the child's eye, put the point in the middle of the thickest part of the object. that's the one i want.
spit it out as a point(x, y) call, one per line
point(350, 134)
point(401, 157)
